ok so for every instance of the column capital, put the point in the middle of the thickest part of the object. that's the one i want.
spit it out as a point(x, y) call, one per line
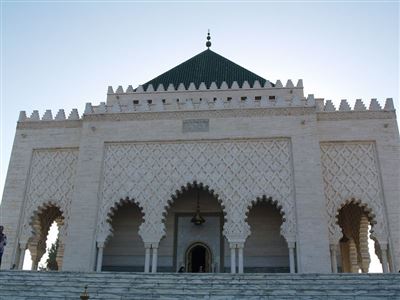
point(383, 246)
point(23, 245)
point(240, 245)
point(333, 247)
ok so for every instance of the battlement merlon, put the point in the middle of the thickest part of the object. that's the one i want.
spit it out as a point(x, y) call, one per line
point(321, 106)
point(202, 91)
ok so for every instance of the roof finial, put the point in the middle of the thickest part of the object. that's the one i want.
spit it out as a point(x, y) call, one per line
point(208, 44)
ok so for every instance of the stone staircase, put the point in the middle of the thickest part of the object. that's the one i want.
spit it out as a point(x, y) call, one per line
point(18, 285)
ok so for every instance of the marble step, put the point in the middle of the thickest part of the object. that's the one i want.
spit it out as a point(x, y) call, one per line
point(110, 285)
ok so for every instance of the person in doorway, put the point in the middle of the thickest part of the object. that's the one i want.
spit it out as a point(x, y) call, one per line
point(201, 269)
point(181, 269)
point(3, 242)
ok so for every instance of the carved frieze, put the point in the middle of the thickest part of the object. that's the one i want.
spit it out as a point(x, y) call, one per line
point(237, 171)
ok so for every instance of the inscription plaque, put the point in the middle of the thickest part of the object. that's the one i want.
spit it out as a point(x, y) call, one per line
point(196, 125)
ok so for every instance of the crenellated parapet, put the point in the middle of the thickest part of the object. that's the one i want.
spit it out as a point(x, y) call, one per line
point(190, 104)
point(202, 90)
point(328, 106)
point(325, 108)
point(237, 98)
point(202, 87)
point(48, 116)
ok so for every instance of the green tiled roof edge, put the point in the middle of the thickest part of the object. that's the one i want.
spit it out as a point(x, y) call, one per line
point(206, 67)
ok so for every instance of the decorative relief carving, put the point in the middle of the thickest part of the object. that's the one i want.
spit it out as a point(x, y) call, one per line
point(237, 171)
point(350, 172)
point(51, 182)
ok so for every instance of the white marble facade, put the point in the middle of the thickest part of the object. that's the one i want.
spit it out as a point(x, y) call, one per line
point(240, 145)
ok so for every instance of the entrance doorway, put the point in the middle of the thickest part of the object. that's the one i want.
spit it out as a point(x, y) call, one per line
point(198, 258)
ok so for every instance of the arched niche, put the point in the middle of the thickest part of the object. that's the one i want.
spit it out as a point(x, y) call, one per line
point(123, 247)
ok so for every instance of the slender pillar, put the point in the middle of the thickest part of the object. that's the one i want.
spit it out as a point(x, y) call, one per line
point(384, 258)
point(333, 258)
point(154, 262)
point(22, 247)
point(353, 256)
point(233, 259)
point(147, 259)
point(100, 248)
point(35, 265)
point(240, 259)
point(291, 246)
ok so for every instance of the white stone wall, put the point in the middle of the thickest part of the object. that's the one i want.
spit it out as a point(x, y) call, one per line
point(13, 206)
point(381, 132)
point(276, 147)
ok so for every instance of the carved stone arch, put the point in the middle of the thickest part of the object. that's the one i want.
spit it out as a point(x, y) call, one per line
point(190, 185)
point(350, 171)
point(288, 228)
point(377, 221)
point(237, 171)
point(39, 224)
point(105, 230)
point(370, 214)
point(187, 187)
point(40, 210)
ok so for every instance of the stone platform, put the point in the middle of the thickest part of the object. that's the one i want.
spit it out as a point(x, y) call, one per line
point(19, 285)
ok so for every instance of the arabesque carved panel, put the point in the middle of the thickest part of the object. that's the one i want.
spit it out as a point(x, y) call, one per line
point(238, 171)
point(350, 171)
point(51, 180)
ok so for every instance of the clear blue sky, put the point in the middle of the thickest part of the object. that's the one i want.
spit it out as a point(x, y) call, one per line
point(61, 55)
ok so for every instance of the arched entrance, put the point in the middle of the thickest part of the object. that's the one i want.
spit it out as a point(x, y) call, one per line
point(198, 258)
point(266, 250)
point(355, 220)
point(186, 238)
point(41, 222)
point(124, 250)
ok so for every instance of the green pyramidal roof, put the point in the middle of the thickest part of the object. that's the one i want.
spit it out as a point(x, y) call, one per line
point(206, 67)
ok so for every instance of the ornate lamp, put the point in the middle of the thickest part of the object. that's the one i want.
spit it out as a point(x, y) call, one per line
point(85, 295)
point(197, 218)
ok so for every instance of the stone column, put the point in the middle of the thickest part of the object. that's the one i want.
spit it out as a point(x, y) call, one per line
point(333, 258)
point(363, 244)
point(233, 258)
point(35, 264)
point(147, 258)
point(384, 258)
point(240, 258)
point(100, 248)
point(353, 256)
point(154, 261)
point(22, 248)
point(291, 246)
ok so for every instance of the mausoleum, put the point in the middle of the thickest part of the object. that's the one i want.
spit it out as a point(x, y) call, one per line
point(207, 168)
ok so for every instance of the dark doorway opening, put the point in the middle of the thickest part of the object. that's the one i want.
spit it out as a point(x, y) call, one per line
point(198, 258)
